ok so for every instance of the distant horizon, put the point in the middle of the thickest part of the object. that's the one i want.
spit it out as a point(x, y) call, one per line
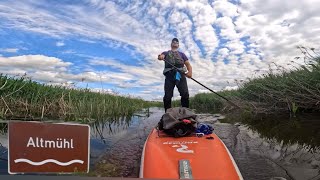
point(114, 46)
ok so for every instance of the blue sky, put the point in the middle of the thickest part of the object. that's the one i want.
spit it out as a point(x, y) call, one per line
point(112, 46)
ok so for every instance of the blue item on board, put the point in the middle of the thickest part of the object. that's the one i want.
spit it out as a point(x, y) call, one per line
point(204, 128)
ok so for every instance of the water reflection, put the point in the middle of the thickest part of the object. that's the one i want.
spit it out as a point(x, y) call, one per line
point(301, 130)
point(3, 127)
point(3, 149)
point(266, 147)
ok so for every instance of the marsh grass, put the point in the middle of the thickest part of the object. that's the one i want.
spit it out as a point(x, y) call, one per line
point(26, 99)
point(284, 91)
point(293, 91)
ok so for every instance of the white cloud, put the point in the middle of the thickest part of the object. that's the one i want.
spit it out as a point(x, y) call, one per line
point(223, 52)
point(55, 71)
point(227, 28)
point(203, 91)
point(271, 28)
point(231, 88)
point(10, 50)
point(277, 27)
point(142, 75)
point(227, 9)
point(103, 91)
point(235, 46)
point(69, 51)
point(60, 43)
point(34, 62)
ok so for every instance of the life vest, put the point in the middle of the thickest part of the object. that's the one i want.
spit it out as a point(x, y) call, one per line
point(174, 58)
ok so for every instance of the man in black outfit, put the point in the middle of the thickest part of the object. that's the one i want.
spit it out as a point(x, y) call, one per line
point(174, 77)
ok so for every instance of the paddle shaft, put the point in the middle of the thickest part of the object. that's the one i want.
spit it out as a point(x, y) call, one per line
point(204, 85)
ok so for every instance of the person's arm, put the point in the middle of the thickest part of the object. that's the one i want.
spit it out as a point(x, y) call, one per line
point(189, 68)
point(161, 56)
point(188, 65)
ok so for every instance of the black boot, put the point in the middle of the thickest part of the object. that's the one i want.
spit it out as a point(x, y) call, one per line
point(185, 102)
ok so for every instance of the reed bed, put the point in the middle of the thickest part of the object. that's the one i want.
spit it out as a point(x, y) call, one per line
point(283, 91)
point(22, 98)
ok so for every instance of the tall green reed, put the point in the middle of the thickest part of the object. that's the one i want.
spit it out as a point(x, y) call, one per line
point(293, 91)
point(23, 98)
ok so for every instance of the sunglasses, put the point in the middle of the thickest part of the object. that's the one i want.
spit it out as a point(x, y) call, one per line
point(175, 42)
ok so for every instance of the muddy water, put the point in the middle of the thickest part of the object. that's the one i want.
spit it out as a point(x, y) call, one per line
point(266, 149)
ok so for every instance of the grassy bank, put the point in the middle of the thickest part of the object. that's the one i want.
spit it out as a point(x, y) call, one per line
point(285, 92)
point(23, 98)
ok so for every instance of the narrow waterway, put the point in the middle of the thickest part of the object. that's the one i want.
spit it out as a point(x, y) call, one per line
point(263, 149)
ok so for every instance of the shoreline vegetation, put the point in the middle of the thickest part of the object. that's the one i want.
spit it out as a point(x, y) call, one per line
point(24, 99)
point(276, 92)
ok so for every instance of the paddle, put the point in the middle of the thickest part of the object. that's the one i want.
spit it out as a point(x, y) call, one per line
point(233, 104)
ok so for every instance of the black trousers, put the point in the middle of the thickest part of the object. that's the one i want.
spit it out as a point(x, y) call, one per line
point(169, 84)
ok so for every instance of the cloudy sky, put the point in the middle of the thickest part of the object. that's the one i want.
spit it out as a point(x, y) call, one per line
point(113, 45)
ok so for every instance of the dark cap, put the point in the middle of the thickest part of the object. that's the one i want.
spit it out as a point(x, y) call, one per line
point(175, 39)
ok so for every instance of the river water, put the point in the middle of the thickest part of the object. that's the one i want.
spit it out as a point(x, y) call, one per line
point(263, 149)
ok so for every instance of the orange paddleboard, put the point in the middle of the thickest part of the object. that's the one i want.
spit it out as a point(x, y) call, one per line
point(191, 157)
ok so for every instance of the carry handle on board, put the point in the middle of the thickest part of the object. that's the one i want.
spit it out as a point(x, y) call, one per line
point(185, 171)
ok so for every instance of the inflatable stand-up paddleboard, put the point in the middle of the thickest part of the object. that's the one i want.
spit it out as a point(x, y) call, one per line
point(189, 157)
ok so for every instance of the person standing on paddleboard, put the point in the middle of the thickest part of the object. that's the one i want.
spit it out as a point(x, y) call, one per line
point(173, 76)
